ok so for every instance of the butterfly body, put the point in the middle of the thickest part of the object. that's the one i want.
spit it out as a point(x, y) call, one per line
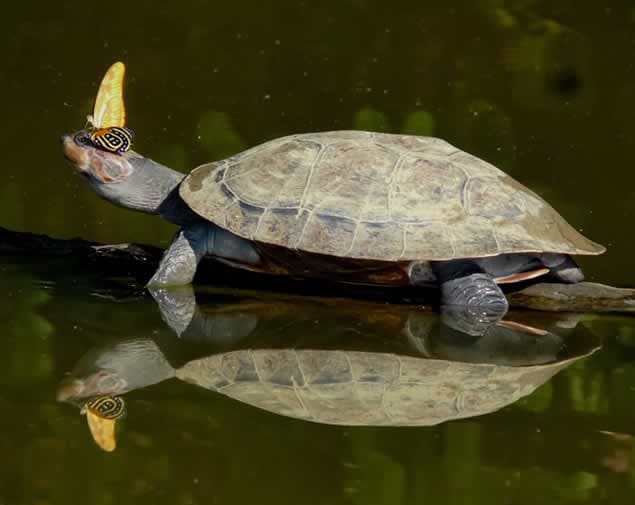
point(115, 139)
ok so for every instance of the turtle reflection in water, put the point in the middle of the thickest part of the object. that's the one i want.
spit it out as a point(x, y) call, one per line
point(386, 365)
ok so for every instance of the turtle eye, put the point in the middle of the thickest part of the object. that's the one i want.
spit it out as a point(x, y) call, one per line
point(82, 139)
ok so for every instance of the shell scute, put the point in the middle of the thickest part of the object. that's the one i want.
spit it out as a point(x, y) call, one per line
point(474, 238)
point(332, 235)
point(242, 217)
point(370, 237)
point(484, 198)
point(284, 226)
point(274, 177)
point(428, 241)
point(427, 191)
point(345, 171)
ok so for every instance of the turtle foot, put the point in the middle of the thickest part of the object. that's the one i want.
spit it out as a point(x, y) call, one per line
point(474, 290)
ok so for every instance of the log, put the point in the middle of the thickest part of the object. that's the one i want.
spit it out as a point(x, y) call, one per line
point(139, 261)
point(581, 297)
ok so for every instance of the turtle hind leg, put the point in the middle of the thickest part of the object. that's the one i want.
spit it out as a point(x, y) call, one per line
point(465, 283)
point(562, 268)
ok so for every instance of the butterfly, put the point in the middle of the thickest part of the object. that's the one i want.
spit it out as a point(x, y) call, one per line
point(115, 139)
point(102, 414)
point(107, 122)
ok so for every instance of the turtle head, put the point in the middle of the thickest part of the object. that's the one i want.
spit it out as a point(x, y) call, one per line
point(98, 166)
point(126, 179)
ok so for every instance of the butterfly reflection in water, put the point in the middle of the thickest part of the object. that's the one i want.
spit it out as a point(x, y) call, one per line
point(102, 414)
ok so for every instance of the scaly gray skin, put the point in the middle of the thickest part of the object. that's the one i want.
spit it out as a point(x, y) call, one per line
point(138, 183)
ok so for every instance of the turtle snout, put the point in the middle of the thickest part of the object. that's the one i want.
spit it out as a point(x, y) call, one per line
point(75, 153)
point(63, 139)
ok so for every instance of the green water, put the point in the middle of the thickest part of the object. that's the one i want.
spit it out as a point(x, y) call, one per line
point(544, 90)
point(182, 443)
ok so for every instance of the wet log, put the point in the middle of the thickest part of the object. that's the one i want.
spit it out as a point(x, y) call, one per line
point(581, 297)
point(139, 261)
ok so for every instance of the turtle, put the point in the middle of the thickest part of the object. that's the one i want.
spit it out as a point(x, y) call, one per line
point(352, 206)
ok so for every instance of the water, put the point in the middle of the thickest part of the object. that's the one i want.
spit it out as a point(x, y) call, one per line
point(543, 91)
point(569, 440)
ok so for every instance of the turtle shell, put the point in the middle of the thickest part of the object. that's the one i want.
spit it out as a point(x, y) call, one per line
point(377, 196)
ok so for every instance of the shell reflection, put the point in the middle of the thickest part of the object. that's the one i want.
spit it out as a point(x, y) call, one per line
point(362, 388)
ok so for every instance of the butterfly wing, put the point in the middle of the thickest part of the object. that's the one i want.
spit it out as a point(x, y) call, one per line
point(109, 107)
point(102, 430)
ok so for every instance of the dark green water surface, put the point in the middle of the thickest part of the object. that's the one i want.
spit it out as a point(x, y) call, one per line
point(544, 90)
point(568, 441)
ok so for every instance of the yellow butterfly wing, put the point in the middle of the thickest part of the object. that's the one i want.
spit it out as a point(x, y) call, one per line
point(109, 108)
point(102, 430)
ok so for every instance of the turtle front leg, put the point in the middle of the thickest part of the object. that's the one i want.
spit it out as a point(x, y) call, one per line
point(465, 283)
point(181, 259)
point(190, 244)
